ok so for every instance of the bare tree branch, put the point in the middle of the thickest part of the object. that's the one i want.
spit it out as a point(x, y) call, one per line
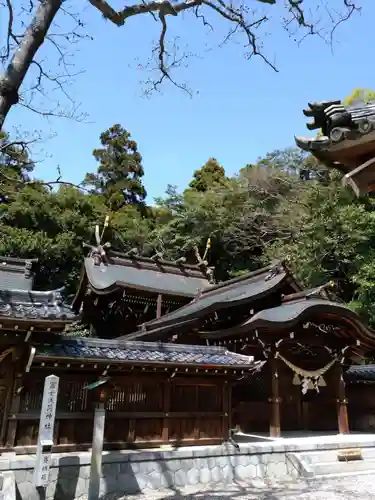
point(50, 184)
point(16, 163)
point(242, 19)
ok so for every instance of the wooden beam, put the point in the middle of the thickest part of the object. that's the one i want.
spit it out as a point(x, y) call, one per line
point(342, 402)
point(6, 402)
point(158, 305)
point(14, 409)
point(275, 400)
point(166, 409)
point(227, 408)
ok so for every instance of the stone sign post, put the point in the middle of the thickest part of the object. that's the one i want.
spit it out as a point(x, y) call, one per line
point(45, 436)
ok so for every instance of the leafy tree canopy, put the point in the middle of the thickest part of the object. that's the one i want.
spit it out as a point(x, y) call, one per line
point(360, 95)
point(268, 210)
point(211, 174)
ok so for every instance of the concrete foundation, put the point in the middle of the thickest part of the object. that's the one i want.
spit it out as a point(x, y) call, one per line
point(130, 472)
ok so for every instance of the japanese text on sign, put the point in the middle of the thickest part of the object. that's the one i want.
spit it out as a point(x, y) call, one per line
point(46, 425)
point(47, 416)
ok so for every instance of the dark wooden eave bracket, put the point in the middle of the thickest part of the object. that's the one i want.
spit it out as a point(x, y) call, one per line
point(31, 359)
point(362, 178)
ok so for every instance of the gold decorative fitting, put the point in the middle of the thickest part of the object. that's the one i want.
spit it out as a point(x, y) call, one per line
point(274, 400)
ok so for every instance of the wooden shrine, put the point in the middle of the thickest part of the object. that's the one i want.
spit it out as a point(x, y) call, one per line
point(181, 360)
point(155, 394)
point(117, 291)
point(360, 382)
point(306, 339)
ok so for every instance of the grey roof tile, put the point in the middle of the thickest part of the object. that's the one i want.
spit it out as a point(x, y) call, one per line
point(145, 274)
point(147, 352)
point(338, 123)
point(34, 305)
point(360, 373)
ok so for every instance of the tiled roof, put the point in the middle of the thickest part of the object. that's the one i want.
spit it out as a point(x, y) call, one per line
point(146, 352)
point(305, 309)
point(245, 289)
point(338, 123)
point(33, 305)
point(360, 374)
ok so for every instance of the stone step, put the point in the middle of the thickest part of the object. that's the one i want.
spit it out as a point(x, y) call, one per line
point(347, 474)
point(327, 456)
point(330, 468)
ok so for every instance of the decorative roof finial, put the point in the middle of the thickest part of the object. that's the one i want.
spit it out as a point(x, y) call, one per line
point(203, 263)
point(98, 253)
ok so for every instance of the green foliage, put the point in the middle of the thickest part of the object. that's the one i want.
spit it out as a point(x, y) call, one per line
point(285, 205)
point(360, 95)
point(15, 165)
point(53, 226)
point(50, 226)
point(120, 171)
point(210, 175)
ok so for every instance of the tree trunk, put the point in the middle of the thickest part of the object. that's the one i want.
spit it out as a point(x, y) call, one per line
point(34, 36)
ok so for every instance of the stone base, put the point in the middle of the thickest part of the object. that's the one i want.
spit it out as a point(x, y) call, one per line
point(131, 472)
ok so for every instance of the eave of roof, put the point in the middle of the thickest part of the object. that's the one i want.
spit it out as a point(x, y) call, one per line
point(289, 314)
point(32, 305)
point(244, 289)
point(360, 374)
point(343, 127)
point(115, 351)
point(139, 273)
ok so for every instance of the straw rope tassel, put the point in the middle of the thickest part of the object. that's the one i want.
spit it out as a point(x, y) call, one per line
point(296, 379)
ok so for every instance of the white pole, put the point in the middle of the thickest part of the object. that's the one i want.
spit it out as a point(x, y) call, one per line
point(96, 452)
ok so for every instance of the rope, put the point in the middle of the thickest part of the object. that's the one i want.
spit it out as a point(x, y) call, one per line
point(307, 373)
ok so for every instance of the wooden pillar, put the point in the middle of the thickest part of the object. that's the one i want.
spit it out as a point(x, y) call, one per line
point(227, 409)
point(342, 402)
point(6, 396)
point(14, 409)
point(275, 396)
point(159, 302)
point(166, 410)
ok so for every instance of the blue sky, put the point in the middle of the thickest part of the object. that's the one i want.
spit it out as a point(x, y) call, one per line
point(240, 109)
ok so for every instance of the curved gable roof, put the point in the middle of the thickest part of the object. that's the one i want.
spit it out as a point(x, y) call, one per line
point(291, 313)
point(246, 288)
point(118, 270)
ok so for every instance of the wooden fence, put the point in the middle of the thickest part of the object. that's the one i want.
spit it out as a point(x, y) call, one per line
point(145, 410)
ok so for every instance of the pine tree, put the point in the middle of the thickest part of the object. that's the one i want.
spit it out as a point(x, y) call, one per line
point(119, 175)
point(212, 173)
